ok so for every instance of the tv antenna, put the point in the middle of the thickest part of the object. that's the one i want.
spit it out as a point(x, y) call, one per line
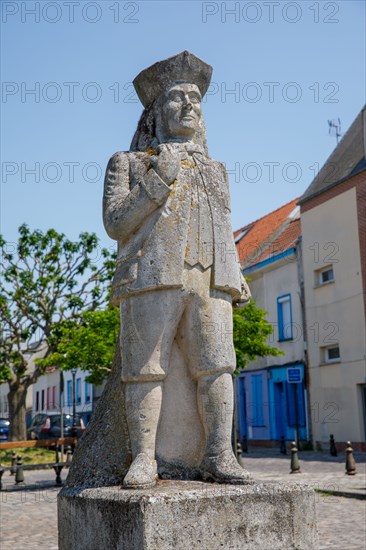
point(335, 128)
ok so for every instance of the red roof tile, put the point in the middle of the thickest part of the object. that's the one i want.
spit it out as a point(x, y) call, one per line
point(286, 240)
point(275, 229)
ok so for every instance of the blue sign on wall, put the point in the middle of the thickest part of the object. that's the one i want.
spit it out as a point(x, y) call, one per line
point(294, 375)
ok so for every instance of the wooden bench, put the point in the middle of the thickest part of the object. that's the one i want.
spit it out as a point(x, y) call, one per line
point(57, 465)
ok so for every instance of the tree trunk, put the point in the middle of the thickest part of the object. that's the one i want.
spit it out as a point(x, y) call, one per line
point(17, 409)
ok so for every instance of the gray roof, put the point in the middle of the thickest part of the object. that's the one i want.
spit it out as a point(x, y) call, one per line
point(347, 159)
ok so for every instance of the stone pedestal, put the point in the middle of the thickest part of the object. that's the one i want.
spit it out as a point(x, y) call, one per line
point(183, 515)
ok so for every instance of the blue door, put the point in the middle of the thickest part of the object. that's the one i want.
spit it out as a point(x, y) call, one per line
point(280, 410)
point(242, 406)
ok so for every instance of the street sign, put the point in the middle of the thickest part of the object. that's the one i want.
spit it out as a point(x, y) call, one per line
point(294, 375)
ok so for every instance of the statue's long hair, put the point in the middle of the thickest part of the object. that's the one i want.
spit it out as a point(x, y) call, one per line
point(146, 135)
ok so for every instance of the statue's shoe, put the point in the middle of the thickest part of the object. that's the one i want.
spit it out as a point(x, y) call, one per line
point(224, 468)
point(143, 473)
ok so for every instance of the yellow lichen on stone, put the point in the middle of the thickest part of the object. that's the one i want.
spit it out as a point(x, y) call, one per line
point(187, 163)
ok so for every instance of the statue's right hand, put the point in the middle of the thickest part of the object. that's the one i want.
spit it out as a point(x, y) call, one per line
point(166, 165)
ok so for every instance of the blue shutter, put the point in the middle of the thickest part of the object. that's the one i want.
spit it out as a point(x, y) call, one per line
point(78, 391)
point(257, 400)
point(87, 392)
point(69, 392)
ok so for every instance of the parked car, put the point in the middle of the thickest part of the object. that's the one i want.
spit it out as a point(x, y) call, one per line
point(4, 429)
point(48, 426)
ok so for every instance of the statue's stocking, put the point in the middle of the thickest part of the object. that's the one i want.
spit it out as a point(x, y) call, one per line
point(216, 403)
point(143, 405)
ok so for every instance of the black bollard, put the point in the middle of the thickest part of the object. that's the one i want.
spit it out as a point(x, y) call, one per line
point(244, 444)
point(239, 450)
point(19, 474)
point(13, 462)
point(350, 461)
point(332, 446)
point(58, 470)
point(295, 465)
point(239, 454)
point(283, 449)
point(57, 457)
point(1, 475)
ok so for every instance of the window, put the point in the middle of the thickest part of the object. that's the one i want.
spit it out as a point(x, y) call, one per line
point(87, 392)
point(327, 275)
point(48, 398)
point(69, 392)
point(324, 276)
point(78, 391)
point(330, 354)
point(37, 401)
point(53, 404)
point(284, 313)
point(257, 400)
point(42, 400)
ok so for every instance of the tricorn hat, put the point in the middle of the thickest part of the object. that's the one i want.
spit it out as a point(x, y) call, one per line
point(184, 67)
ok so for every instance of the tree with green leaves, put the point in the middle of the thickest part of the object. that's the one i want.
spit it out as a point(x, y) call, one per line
point(89, 343)
point(46, 280)
point(251, 330)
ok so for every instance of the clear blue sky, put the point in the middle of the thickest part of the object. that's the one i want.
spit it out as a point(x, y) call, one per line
point(293, 66)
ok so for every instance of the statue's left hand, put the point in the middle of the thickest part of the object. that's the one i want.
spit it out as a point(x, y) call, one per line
point(245, 295)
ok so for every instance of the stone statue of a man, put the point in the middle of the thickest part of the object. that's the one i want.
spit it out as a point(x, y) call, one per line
point(167, 204)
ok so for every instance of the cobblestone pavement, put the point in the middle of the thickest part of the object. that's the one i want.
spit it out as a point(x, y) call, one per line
point(319, 470)
point(341, 520)
point(28, 515)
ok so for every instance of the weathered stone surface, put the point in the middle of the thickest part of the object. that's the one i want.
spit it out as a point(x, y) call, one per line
point(102, 456)
point(167, 204)
point(184, 67)
point(188, 515)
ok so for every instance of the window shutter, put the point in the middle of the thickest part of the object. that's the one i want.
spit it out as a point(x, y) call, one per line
point(257, 399)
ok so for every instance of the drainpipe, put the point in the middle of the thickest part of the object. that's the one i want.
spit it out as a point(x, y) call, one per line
point(300, 274)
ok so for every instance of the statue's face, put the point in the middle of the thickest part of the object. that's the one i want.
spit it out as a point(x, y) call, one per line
point(181, 110)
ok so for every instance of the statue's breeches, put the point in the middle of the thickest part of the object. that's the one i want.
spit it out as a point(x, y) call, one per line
point(196, 317)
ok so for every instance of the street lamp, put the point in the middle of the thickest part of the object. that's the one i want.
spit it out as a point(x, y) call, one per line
point(74, 428)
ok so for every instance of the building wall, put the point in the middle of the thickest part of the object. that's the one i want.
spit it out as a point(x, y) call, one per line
point(4, 407)
point(335, 315)
point(268, 284)
point(359, 183)
point(46, 393)
point(49, 384)
point(266, 418)
point(31, 356)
